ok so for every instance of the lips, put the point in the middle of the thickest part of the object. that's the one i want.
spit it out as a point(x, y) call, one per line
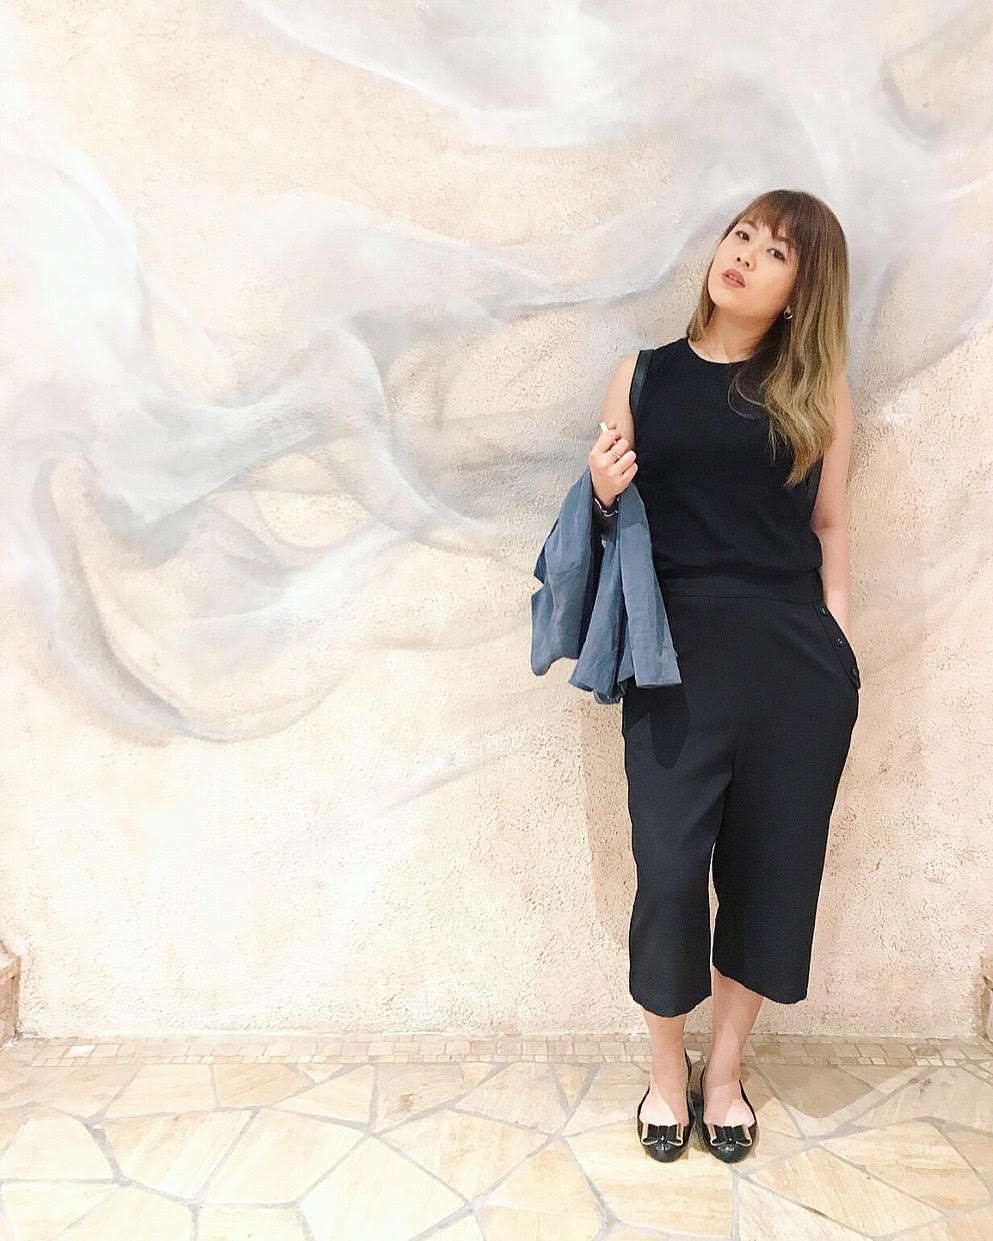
point(734, 277)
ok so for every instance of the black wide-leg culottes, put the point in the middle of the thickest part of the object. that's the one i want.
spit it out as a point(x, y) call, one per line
point(738, 765)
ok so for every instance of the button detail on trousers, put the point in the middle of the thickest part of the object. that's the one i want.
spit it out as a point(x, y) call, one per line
point(852, 667)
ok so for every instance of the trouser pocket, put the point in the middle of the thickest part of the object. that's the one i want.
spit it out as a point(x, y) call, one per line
point(843, 648)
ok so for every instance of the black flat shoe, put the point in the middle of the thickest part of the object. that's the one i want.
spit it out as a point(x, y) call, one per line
point(666, 1142)
point(728, 1142)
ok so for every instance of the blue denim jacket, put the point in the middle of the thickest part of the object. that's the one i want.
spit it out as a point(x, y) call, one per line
point(600, 602)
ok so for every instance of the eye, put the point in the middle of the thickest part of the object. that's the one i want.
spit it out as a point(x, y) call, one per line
point(744, 234)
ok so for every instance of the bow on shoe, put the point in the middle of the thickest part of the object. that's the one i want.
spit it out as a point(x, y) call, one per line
point(666, 1135)
point(722, 1135)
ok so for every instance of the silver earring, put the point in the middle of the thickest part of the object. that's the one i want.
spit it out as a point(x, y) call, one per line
point(787, 313)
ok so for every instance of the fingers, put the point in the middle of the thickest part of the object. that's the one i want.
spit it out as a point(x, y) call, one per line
point(612, 459)
point(617, 455)
point(615, 470)
point(607, 438)
point(614, 448)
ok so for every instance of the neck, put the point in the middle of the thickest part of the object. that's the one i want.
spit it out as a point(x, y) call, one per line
point(728, 338)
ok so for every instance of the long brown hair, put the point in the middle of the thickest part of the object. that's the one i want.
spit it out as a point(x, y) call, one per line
point(794, 367)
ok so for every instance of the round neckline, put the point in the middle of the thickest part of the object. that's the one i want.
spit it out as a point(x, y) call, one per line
point(710, 361)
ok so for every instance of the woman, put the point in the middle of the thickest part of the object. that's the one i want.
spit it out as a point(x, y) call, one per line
point(743, 431)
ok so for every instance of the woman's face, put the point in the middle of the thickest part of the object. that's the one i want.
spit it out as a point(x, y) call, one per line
point(766, 265)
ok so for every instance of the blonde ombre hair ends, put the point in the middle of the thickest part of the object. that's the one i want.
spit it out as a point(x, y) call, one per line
point(797, 361)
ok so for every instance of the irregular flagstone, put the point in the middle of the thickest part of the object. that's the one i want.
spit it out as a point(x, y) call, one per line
point(977, 1148)
point(42, 1210)
point(820, 1181)
point(318, 1072)
point(14, 1079)
point(819, 1099)
point(230, 1223)
point(697, 1187)
point(166, 1088)
point(84, 1089)
point(468, 1152)
point(550, 1181)
point(496, 1149)
point(174, 1154)
point(345, 1097)
point(625, 1232)
point(405, 1090)
point(256, 1085)
point(508, 1224)
point(942, 1093)
point(764, 1216)
point(374, 1193)
point(11, 1121)
point(132, 1213)
point(775, 1120)
point(277, 1157)
point(523, 1092)
point(52, 1146)
point(613, 1095)
point(915, 1157)
point(974, 1226)
point(466, 1229)
point(771, 1144)
point(572, 1079)
point(883, 1078)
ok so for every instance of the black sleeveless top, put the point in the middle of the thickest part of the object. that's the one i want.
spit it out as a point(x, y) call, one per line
point(713, 494)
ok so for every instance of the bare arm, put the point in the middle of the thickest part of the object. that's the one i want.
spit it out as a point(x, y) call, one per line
point(618, 439)
point(829, 519)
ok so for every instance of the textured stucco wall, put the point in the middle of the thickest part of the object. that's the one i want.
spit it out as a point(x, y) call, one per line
point(308, 312)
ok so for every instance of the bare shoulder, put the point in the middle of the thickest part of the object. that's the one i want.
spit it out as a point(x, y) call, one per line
point(626, 365)
point(616, 407)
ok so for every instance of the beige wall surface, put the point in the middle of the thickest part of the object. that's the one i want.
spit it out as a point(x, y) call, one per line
point(308, 312)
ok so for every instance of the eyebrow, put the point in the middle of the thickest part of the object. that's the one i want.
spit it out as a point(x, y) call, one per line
point(775, 236)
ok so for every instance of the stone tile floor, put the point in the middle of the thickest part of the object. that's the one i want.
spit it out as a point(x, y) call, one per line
point(396, 1138)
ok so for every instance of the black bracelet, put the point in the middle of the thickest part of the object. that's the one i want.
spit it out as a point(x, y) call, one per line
point(607, 512)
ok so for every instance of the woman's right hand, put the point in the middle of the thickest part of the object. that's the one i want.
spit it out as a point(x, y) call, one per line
point(612, 464)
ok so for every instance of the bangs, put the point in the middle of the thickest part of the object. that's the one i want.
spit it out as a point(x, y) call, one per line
point(785, 220)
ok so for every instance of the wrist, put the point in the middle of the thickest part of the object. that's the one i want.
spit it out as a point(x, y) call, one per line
point(605, 516)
